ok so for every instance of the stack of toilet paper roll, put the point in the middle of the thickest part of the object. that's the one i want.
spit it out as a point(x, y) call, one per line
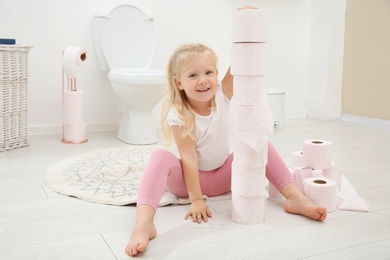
point(318, 178)
point(252, 123)
point(315, 174)
point(74, 127)
point(73, 116)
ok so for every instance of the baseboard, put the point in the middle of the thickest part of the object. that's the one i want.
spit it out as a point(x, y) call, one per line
point(377, 122)
point(323, 109)
point(295, 114)
point(57, 128)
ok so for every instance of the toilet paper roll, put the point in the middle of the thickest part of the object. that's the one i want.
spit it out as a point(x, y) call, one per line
point(248, 90)
point(247, 181)
point(249, 25)
point(246, 156)
point(322, 191)
point(73, 57)
point(334, 174)
point(248, 210)
point(73, 116)
point(317, 154)
point(256, 120)
point(74, 99)
point(75, 133)
point(297, 159)
point(317, 173)
point(300, 174)
point(248, 59)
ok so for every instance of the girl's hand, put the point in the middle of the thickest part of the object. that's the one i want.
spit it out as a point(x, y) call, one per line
point(199, 210)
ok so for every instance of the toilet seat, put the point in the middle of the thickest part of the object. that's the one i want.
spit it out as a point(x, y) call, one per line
point(137, 76)
point(127, 31)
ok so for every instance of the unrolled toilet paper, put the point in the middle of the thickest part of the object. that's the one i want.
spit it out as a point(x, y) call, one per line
point(249, 25)
point(248, 90)
point(317, 154)
point(322, 191)
point(246, 156)
point(72, 59)
point(248, 59)
point(351, 199)
point(248, 210)
point(247, 181)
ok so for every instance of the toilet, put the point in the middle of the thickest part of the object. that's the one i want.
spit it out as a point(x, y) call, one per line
point(124, 46)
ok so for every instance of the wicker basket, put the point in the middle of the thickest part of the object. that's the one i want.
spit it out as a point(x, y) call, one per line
point(13, 96)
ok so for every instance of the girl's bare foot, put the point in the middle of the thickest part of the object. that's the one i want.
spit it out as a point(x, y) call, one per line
point(144, 231)
point(301, 205)
point(139, 240)
point(297, 203)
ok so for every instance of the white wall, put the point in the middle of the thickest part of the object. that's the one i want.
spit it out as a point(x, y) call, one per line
point(50, 26)
point(326, 59)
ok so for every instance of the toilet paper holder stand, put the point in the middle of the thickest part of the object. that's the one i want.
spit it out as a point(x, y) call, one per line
point(72, 87)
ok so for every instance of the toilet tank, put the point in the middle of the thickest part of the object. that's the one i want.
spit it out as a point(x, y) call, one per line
point(97, 23)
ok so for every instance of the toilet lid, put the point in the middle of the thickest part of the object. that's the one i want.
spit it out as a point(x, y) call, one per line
point(127, 38)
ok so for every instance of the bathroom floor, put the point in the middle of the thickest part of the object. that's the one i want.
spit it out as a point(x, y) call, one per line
point(36, 223)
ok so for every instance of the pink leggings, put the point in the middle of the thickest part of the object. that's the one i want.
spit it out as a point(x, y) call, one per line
point(164, 171)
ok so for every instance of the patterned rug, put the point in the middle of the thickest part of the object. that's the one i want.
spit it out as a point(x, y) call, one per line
point(107, 176)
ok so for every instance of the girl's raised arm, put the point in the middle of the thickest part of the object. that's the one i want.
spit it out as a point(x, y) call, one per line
point(227, 84)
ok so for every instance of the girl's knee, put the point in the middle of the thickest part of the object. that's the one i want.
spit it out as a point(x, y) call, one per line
point(162, 156)
point(161, 160)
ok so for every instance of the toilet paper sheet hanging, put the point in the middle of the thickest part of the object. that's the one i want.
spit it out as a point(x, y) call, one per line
point(246, 156)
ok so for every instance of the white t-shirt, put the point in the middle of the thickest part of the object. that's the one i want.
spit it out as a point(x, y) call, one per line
point(212, 133)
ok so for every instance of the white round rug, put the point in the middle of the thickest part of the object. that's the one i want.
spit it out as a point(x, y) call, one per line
point(108, 176)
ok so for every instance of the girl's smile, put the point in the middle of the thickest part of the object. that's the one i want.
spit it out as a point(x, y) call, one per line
point(200, 82)
point(203, 90)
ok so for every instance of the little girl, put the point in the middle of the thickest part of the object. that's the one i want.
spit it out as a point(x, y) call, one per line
point(195, 114)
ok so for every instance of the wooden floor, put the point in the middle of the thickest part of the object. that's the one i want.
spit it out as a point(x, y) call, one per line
point(36, 223)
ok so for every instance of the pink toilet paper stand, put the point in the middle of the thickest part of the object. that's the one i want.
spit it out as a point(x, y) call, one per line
point(72, 87)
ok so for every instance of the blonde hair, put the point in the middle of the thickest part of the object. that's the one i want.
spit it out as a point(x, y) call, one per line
point(181, 59)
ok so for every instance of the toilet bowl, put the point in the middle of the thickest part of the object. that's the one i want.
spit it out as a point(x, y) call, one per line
point(124, 45)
